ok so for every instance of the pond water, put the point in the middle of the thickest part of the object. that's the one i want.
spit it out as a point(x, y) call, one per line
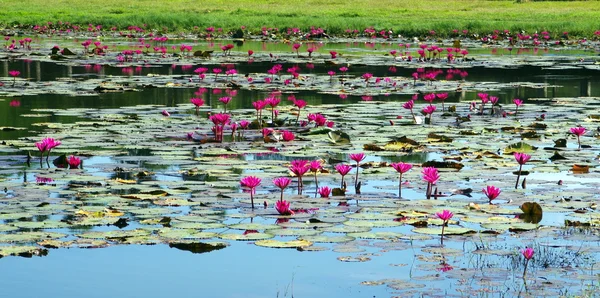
point(152, 212)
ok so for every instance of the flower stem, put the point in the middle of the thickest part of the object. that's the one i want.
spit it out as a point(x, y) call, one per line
point(356, 179)
point(525, 269)
point(252, 197)
point(518, 176)
point(442, 237)
point(400, 186)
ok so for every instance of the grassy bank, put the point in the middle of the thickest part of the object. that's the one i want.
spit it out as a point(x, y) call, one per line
point(410, 17)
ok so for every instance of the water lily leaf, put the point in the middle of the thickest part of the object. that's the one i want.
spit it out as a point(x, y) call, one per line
point(30, 237)
point(294, 232)
point(354, 259)
point(198, 247)
point(254, 226)
point(447, 231)
point(557, 156)
point(443, 164)
point(22, 251)
point(115, 235)
point(580, 169)
point(80, 243)
point(377, 235)
point(371, 216)
point(184, 234)
point(532, 212)
point(246, 236)
point(50, 224)
point(338, 137)
point(513, 227)
point(283, 244)
point(372, 224)
point(327, 239)
point(519, 147)
point(439, 138)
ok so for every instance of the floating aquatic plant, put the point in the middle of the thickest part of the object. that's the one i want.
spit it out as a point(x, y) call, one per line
point(401, 168)
point(251, 182)
point(445, 216)
point(578, 131)
point(521, 158)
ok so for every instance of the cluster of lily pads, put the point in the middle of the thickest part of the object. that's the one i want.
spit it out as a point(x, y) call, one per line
point(189, 175)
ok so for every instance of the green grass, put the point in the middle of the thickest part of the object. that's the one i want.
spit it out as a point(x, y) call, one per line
point(409, 17)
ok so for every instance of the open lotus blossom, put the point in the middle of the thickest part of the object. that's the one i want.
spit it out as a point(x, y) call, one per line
point(315, 166)
point(250, 182)
point(442, 97)
point(299, 103)
point(198, 102)
point(46, 145)
point(225, 100)
point(429, 98)
point(528, 254)
point(428, 110)
point(73, 162)
point(491, 192)
point(282, 183)
point(283, 207)
point(219, 120)
point(431, 176)
point(357, 157)
point(445, 216)
point(333, 54)
point(401, 168)
point(287, 136)
point(578, 131)
point(343, 169)
point(521, 158)
point(14, 74)
point(517, 103)
point(324, 192)
point(299, 167)
point(409, 105)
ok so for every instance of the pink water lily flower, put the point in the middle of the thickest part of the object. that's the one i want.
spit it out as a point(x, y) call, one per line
point(578, 131)
point(73, 162)
point(357, 157)
point(445, 216)
point(250, 182)
point(315, 166)
point(491, 192)
point(528, 254)
point(283, 207)
point(521, 158)
point(431, 176)
point(46, 145)
point(198, 102)
point(225, 100)
point(324, 192)
point(287, 136)
point(343, 169)
point(401, 168)
point(517, 103)
point(409, 105)
point(428, 110)
point(299, 167)
point(282, 183)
